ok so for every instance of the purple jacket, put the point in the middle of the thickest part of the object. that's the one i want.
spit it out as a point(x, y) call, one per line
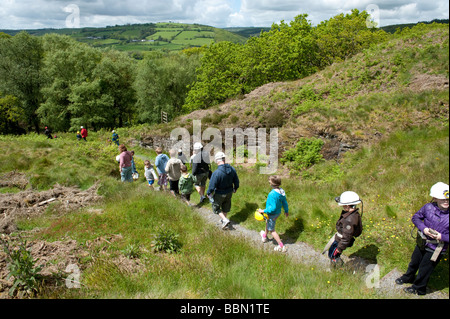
point(432, 217)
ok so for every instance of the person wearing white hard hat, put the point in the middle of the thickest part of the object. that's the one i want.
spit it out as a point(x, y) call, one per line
point(224, 182)
point(200, 161)
point(115, 137)
point(432, 224)
point(348, 226)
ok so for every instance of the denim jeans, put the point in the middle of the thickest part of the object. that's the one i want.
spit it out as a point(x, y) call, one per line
point(126, 175)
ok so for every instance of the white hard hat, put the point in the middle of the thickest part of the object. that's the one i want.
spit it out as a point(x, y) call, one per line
point(198, 146)
point(439, 191)
point(348, 198)
point(219, 156)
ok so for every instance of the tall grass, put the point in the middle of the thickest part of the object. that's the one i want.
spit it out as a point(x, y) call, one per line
point(392, 177)
point(211, 264)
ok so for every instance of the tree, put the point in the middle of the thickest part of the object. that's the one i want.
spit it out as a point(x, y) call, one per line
point(67, 64)
point(107, 99)
point(218, 77)
point(162, 84)
point(11, 114)
point(343, 36)
point(286, 52)
point(21, 73)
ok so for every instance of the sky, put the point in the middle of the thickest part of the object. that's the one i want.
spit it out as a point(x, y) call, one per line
point(36, 14)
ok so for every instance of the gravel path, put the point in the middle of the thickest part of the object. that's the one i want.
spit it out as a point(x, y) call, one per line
point(306, 254)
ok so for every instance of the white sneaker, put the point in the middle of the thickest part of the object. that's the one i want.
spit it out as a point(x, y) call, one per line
point(225, 222)
point(279, 248)
point(263, 238)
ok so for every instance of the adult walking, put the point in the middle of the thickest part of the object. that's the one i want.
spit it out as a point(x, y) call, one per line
point(84, 133)
point(115, 137)
point(224, 182)
point(173, 170)
point(160, 164)
point(125, 164)
point(200, 169)
point(48, 133)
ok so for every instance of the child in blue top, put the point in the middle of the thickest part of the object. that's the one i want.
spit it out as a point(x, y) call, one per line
point(160, 164)
point(275, 200)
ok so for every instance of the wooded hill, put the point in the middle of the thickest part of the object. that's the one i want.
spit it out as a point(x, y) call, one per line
point(146, 37)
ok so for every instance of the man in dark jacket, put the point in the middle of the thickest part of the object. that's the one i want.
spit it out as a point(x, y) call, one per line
point(224, 182)
point(48, 133)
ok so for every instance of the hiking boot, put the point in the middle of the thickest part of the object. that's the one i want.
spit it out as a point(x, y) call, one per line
point(279, 248)
point(263, 238)
point(414, 291)
point(225, 223)
point(401, 281)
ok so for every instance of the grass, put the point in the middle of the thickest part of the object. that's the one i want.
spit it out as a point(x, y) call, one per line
point(357, 98)
point(212, 264)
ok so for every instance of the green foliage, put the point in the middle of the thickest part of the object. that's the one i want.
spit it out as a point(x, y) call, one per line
point(345, 35)
point(11, 114)
point(21, 73)
point(218, 77)
point(22, 267)
point(305, 154)
point(132, 251)
point(86, 86)
point(162, 83)
point(286, 52)
point(166, 240)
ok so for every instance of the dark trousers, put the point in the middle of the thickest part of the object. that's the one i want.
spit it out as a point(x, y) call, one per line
point(174, 187)
point(420, 261)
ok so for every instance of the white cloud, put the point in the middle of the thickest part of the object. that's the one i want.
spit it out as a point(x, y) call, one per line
point(28, 14)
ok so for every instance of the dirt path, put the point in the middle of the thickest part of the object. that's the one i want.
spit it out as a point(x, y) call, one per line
point(306, 254)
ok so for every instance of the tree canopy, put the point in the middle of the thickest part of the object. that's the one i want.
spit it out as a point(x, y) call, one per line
point(56, 81)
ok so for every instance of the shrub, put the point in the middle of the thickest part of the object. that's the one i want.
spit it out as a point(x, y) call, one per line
point(132, 251)
point(166, 240)
point(21, 266)
point(304, 155)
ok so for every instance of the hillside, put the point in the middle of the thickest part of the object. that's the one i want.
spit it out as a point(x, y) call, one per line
point(396, 85)
point(145, 37)
point(383, 118)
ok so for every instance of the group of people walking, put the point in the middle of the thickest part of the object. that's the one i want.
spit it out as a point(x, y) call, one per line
point(172, 174)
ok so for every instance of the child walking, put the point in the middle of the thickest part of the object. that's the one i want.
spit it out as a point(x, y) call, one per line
point(432, 223)
point(150, 173)
point(348, 227)
point(173, 172)
point(186, 184)
point(275, 200)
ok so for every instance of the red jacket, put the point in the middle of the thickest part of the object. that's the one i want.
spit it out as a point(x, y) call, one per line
point(84, 132)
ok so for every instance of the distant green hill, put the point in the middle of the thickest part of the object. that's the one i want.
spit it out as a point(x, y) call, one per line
point(167, 36)
point(393, 28)
point(145, 37)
